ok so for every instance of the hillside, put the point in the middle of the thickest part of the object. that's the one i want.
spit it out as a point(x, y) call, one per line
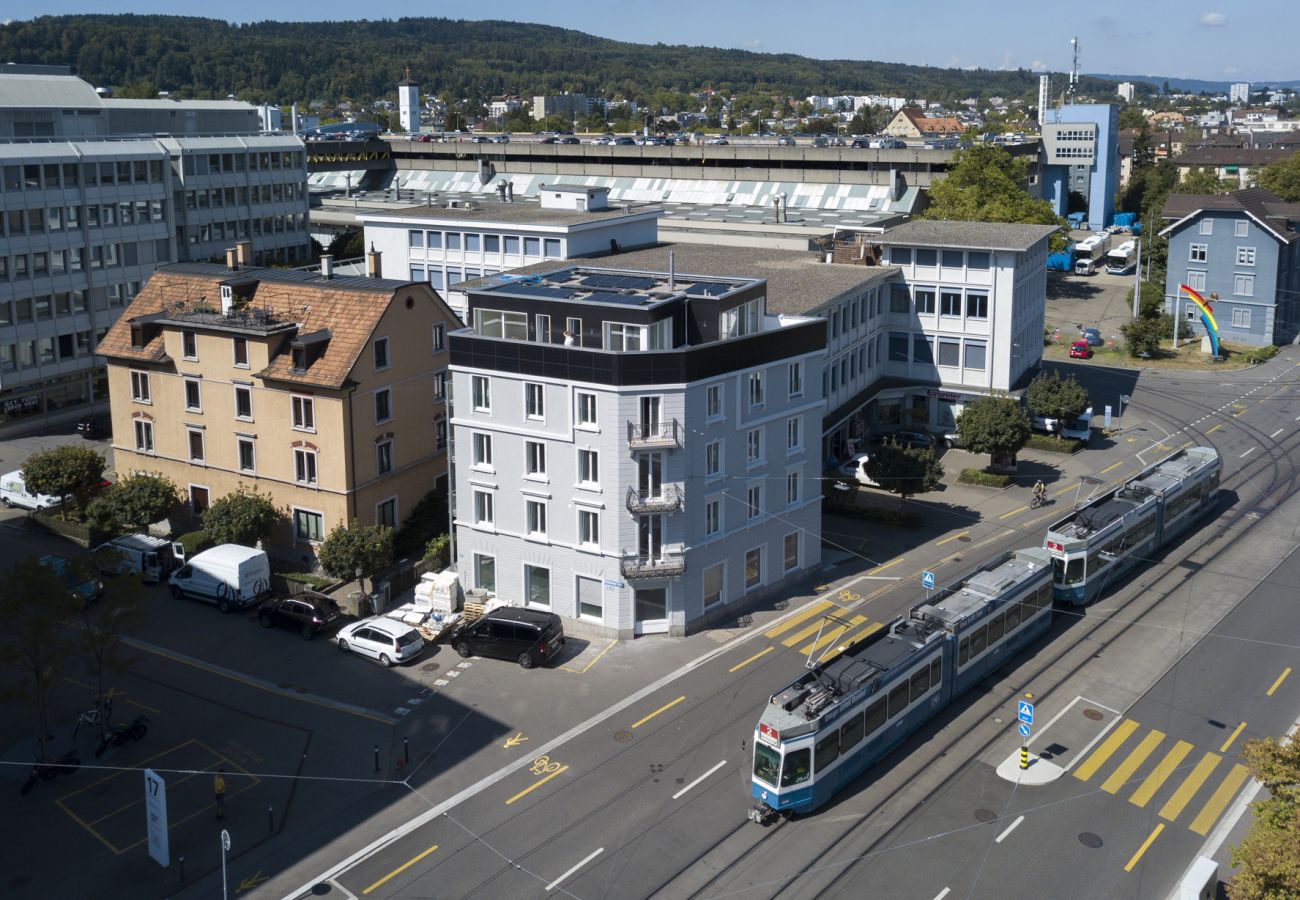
point(283, 62)
point(1195, 85)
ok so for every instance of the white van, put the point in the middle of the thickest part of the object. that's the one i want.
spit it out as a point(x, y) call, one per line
point(143, 554)
point(1079, 429)
point(856, 468)
point(229, 575)
point(13, 492)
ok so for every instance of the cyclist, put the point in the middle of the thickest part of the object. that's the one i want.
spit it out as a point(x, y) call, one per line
point(1040, 493)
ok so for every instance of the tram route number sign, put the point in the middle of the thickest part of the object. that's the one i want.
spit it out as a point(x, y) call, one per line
point(927, 580)
point(1025, 712)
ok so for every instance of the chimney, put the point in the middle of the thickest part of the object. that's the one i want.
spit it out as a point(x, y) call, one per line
point(232, 258)
point(293, 117)
point(327, 266)
point(374, 263)
point(672, 270)
point(510, 192)
point(244, 253)
point(501, 190)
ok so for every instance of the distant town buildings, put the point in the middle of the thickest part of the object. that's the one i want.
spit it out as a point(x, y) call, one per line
point(1239, 92)
point(566, 105)
point(1126, 90)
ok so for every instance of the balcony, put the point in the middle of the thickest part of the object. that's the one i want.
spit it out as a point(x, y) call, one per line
point(653, 435)
point(666, 498)
point(670, 563)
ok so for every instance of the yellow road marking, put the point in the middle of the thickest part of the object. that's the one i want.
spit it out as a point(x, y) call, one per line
point(1232, 737)
point(593, 662)
point(953, 538)
point(1142, 796)
point(1186, 445)
point(1112, 467)
point(664, 708)
point(1068, 487)
point(856, 639)
point(751, 659)
point(833, 635)
point(541, 781)
point(1215, 428)
point(815, 609)
point(1121, 775)
point(1219, 799)
point(802, 634)
point(1013, 512)
point(881, 568)
point(402, 868)
point(1191, 784)
point(1143, 849)
point(1103, 753)
point(1277, 684)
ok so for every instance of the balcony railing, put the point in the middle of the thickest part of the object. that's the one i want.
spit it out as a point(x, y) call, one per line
point(670, 563)
point(653, 434)
point(666, 498)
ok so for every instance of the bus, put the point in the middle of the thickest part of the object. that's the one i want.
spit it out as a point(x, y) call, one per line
point(1121, 260)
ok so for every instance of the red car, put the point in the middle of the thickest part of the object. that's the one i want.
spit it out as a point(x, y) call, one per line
point(1080, 350)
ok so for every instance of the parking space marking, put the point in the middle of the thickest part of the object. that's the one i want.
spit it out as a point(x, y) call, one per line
point(667, 706)
point(596, 659)
point(400, 869)
point(1277, 684)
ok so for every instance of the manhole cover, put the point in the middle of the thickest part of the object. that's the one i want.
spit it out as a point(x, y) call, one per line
point(985, 815)
point(1093, 714)
point(1090, 840)
point(964, 539)
point(622, 736)
point(429, 667)
point(680, 780)
point(320, 890)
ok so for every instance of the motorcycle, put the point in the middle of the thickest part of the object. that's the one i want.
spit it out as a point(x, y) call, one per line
point(64, 765)
point(120, 734)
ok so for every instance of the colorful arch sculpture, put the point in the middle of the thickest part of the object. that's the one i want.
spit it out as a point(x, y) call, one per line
point(1207, 316)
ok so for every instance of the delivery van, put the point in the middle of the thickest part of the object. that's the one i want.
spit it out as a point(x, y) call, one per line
point(13, 492)
point(142, 554)
point(230, 575)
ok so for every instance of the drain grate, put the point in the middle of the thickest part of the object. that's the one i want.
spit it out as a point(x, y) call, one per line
point(1094, 714)
point(964, 539)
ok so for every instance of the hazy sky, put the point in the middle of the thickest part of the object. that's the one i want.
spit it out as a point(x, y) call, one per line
point(1221, 40)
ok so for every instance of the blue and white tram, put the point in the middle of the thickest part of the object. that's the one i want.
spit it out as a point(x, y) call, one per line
point(1095, 545)
point(822, 730)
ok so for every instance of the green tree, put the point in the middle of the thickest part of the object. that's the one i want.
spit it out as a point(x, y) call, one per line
point(1282, 178)
point(1202, 181)
point(1268, 858)
point(1132, 117)
point(364, 548)
point(905, 471)
point(1053, 397)
point(993, 425)
point(863, 121)
point(348, 244)
point(1142, 336)
point(243, 517)
point(134, 502)
point(63, 472)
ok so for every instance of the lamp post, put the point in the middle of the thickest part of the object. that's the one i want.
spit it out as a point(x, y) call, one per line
point(225, 848)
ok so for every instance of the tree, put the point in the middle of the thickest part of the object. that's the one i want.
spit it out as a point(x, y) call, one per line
point(134, 502)
point(904, 471)
point(863, 121)
point(1282, 178)
point(364, 548)
point(1142, 336)
point(244, 517)
point(986, 184)
point(103, 626)
point(1053, 397)
point(63, 472)
point(993, 425)
point(348, 244)
point(1132, 117)
point(1202, 181)
point(1267, 860)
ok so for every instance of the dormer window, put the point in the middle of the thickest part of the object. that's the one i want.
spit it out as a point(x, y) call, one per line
point(137, 337)
point(299, 358)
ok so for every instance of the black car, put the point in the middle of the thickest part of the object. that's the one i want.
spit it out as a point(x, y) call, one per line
point(550, 139)
point(310, 612)
point(94, 425)
point(570, 140)
point(526, 636)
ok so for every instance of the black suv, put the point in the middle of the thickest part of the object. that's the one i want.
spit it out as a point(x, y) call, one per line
point(310, 612)
point(94, 425)
point(527, 636)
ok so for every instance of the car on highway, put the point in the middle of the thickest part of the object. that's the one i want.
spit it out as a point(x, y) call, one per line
point(570, 140)
point(1080, 350)
point(307, 612)
point(718, 141)
point(550, 139)
point(378, 637)
point(821, 141)
point(516, 633)
point(624, 141)
point(785, 141)
point(480, 139)
point(915, 439)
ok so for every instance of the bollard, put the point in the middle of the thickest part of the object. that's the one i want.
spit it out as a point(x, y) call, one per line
point(180, 867)
point(270, 818)
point(376, 759)
point(1024, 758)
point(406, 752)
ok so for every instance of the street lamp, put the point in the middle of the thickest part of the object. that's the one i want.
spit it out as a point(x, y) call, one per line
point(225, 848)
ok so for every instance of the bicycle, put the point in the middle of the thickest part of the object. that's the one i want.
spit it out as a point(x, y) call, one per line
point(1038, 500)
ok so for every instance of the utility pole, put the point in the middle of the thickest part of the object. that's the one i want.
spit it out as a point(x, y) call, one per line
point(1137, 278)
point(1175, 303)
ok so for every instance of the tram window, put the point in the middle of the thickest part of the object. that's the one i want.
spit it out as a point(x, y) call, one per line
point(920, 683)
point(995, 628)
point(766, 763)
point(1213, 484)
point(936, 667)
point(1044, 596)
point(1013, 616)
point(794, 770)
point(851, 732)
point(828, 750)
point(963, 651)
point(1074, 570)
point(875, 716)
point(898, 699)
point(978, 641)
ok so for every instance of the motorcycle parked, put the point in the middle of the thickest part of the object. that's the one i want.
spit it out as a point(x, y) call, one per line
point(64, 765)
point(120, 734)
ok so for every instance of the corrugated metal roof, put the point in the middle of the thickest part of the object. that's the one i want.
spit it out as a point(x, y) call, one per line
point(46, 91)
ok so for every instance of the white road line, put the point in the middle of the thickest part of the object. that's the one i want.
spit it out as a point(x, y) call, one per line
point(1247, 453)
point(554, 883)
point(1010, 828)
point(678, 795)
point(1276, 433)
point(943, 893)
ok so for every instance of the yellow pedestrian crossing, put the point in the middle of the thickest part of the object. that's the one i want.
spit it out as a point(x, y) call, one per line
point(815, 609)
point(1106, 750)
point(855, 639)
point(1191, 784)
point(1124, 772)
point(832, 634)
point(1142, 796)
point(1219, 800)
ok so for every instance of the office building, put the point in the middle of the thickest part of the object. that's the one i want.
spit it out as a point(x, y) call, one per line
point(568, 106)
point(1239, 92)
point(1126, 91)
point(1080, 145)
point(408, 104)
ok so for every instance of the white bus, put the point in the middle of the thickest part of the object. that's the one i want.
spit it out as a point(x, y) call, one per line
point(1089, 252)
point(1122, 259)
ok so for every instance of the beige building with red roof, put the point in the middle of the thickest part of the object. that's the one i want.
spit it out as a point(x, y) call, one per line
point(910, 122)
point(326, 392)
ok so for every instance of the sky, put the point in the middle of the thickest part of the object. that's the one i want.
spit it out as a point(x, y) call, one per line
point(1219, 40)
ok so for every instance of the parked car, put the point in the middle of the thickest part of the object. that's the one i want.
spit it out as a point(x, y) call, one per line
point(861, 144)
point(480, 139)
point(948, 438)
point(821, 141)
point(624, 141)
point(387, 640)
point(526, 636)
point(917, 439)
point(1092, 337)
point(309, 612)
point(1080, 350)
point(550, 139)
point(135, 554)
point(856, 468)
point(503, 138)
point(95, 425)
point(86, 589)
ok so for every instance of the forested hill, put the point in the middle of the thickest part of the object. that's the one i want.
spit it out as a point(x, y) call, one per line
point(293, 61)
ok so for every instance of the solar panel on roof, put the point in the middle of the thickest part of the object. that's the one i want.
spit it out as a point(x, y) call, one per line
point(537, 290)
point(708, 288)
point(620, 282)
point(625, 299)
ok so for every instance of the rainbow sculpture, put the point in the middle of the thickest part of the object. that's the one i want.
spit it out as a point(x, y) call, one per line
point(1207, 316)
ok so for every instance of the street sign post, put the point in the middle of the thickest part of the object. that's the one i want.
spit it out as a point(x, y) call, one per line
point(1107, 416)
point(155, 808)
point(1023, 729)
point(927, 580)
point(1025, 712)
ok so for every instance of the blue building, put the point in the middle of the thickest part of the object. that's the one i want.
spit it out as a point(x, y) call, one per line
point(1241, 252)
point(1080, 144)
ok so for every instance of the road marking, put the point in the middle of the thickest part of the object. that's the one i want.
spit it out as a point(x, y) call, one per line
point(1232, 737)
point(1215, 428)
point(1112, 467)
point(1013, 512)
point(536, 784)
point(514, 741)
point(856, 639)
point(1108, 747)
point(815, 609)
point(1214, 807)
point(757, 655)
point(1143, 849)
point(881, 568)
point(667, 706)
point(1068, 487)
point(402, 868)
point(955, 537)
point(1010, 828)
point(804, 633)
point(833, 635)
point(556, 882)
point(1247, 453)
point(1276, 433)
point(943, 893)
point(1191, 784)
point(590, 664)
point(1142, 796)
point(1132, 762)
point(678, 795)
point(1277, 684)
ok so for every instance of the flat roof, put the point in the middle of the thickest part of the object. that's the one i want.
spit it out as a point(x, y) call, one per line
point(967, 235)
point(620, 286)
point(516, 213)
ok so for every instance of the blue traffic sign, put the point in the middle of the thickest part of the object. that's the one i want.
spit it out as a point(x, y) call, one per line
point(1024, 730)
point(1025, 712)
point(927, 580)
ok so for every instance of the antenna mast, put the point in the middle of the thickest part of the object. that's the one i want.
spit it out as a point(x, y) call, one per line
point(1074, 67)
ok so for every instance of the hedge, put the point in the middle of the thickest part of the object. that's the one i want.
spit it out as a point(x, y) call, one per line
point(312, 580)
point(1054, 445)
point(1260, 354)
point(983, 478)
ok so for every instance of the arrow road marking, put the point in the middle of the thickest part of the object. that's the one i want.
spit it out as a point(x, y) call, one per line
point(249, 883)
point(514, 741)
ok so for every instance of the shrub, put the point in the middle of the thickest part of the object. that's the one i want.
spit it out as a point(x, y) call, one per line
point(63, 472)
point(194, 542)
point(367, 548)
point(438, 548)
point(311, 579)
point(1054, 445)
point(983, 478)
point(1260, 354)
point(243, 517)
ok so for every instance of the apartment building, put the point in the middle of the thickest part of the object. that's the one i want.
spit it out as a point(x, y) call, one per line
point(635, 451)
point(326, 392)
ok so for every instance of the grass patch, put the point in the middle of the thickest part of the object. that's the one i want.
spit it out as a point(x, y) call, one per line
point(1187, 356)
point(983, 478)
point(1054, 445)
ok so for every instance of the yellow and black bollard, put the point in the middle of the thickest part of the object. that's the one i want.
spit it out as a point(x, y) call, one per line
point(1024, 757)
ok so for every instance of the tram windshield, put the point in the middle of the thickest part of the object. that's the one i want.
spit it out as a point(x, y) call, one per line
point(1070, 572)
point(766, 763)
point(797, 767)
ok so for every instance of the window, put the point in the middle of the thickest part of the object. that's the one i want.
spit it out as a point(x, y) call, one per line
point(792, 551)
point(483, 513)
point(440, 433)
point(586, 409)
point(1243, 285)
point(791, 488)
point(384, 457)
point(415, 240)
point(755, 388)
point(1198, 252)
point(952, 259)
point(196, 445)
point(623, 337)
point(492, 243)
point(144, 435)
point(754, 446)
point(925, 300)
point(588, 467)
point(1245, 256)
point(753, 568)
point(1207, 226)
point(240, 352)
point(713, 584)
point(512, 244)
point(900, 256)
point(1196, 280)
point(532, 246)
point(535, 516)
point(949, 352)
point(542, 328)
point(1240, 228)
point(713, 401)
point(977, 306)
point(308, 526)
point(496, 323)
point(304, 466)
point(482, 449)
point(589, 527)
point(796, 379)
point(381, 354)
point(304, 413)
point(552, 247)
point(793, 434)
point(977, 259)
point(383, 405)
point(899, 302)
point(754, 501)
point(1240, 318)
point(574, 328)
point(713, 458)
point(537, 583)
point(950, 303)
point(975, 351)
point(140, 387)
point(439, 337)
point(712, 517)
point(189, 345)
point(898, 342)
point(439, 385)
point(534, 458)
point(922, 349)
point(534, 401)
point(485, 572)
point(482, 389)
point(246, 457)
point(193, 401)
